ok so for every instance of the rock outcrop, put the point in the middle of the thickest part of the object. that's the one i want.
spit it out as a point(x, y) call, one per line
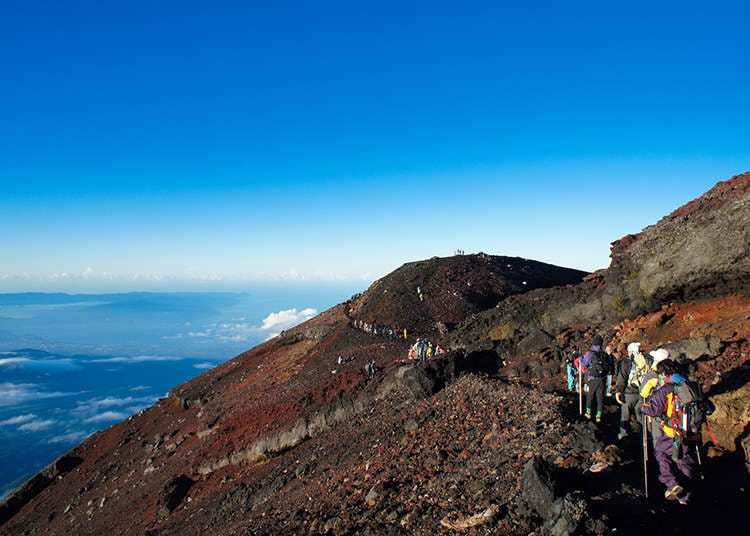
point(700, 250)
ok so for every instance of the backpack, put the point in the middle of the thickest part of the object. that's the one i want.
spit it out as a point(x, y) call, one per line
point(688, 408)
point(598, 364)
point(638, 374)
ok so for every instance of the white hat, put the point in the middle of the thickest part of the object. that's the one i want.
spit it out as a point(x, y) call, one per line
point(633, 347)
point(659, 355)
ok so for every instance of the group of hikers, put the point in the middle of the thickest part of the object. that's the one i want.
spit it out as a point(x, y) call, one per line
point(379, 329)
point(423, 350)
point(655, 395)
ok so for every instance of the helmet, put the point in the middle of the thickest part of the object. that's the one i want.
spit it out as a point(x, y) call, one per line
point(633, 347)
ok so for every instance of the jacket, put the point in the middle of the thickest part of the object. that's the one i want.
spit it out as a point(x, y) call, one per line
point(586, 362)
point(624, 385)
point(623, 374)
point(660, 405)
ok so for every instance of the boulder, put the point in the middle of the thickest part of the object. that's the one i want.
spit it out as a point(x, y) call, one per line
point(730, 421)
point(567, 515)
point(696, 347)
point(537, 487)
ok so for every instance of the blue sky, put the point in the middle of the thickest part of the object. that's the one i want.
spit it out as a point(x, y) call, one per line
point(211, 145)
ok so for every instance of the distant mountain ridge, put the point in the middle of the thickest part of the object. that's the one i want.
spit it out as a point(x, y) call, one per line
point(287, 438)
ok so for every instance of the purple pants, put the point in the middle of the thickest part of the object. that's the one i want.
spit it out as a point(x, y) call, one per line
point(672, 473)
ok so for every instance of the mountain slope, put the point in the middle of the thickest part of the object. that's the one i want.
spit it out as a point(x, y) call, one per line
point(288, 438)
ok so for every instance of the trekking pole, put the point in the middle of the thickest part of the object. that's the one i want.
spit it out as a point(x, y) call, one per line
point(580, 391)
point(645, 454)
point(700, 459)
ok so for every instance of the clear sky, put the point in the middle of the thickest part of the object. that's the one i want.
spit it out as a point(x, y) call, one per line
point(205, 145)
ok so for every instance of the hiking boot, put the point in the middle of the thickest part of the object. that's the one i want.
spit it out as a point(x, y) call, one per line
point(622, 435)
point(672, 494)
point(588, 416)
point(598, 419)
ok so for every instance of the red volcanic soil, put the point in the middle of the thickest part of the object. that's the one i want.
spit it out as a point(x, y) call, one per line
point(292, 437)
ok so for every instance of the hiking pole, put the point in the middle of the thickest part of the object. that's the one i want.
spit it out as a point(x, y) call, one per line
point(700, 460)
point(645, 454)
point(580, 391)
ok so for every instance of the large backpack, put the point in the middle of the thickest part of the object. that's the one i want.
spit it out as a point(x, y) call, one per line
point(599, 364)
point(688, 408)
point(638, 374)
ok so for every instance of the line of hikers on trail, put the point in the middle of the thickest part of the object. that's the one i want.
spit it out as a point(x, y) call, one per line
point(378, 329)
point(655, 395)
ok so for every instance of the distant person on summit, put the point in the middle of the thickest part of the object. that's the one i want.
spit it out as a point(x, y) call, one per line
point(597, 363)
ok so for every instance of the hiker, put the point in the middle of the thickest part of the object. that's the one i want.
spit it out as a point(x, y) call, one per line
point(650, 383)
point(612, 366)
point(630, 375)
point(676, 463)
point(571, 370)
point(651, 379)
point(370, 369)
point(597, 364)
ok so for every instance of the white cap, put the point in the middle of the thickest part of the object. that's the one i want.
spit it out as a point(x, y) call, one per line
point(633, 347)
point(659, 355)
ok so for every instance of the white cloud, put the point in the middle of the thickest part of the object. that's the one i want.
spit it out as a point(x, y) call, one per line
point(140, 388)
point(107, 416)
point(240, 331)
point(37, 425)
point(71, 437)
point(234, 338)
point(17, 393)
point(13, 361)
point(173, 337)
point(287, 319)
point(94, 405)
point(45, 364)
point(206, 333)
point(20, 419)
point(201, 366)
point(136, 359)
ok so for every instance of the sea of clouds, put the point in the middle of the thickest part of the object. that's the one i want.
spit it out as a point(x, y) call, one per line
point(51, 400)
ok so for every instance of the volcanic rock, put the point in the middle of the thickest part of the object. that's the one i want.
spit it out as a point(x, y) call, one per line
point(484, 439)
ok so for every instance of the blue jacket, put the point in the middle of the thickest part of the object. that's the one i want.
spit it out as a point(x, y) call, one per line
point(660, 404)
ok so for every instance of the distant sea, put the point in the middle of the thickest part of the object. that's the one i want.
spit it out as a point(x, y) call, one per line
point(72, 364)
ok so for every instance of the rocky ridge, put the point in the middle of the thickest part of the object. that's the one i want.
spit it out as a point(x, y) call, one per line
point(284, 439)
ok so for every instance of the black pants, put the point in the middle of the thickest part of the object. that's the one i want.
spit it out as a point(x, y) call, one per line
point(596, 390)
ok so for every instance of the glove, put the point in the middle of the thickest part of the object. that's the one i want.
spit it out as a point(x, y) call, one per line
point(618, 397)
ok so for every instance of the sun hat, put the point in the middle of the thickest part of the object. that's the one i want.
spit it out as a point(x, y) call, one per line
point(659, 355)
